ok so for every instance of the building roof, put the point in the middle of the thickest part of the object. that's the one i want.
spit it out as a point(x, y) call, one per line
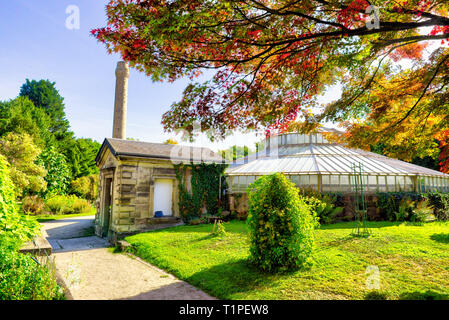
point(317, 156)
point(128, 148)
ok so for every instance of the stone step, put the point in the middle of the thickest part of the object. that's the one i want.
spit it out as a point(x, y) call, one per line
point(165, 220)
point(38, 247)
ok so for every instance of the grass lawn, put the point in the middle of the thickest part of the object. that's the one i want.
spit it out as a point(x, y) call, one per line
point(413, 261)
point(50, 217)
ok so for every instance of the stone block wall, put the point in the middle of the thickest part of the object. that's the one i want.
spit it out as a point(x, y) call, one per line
point(238, 202)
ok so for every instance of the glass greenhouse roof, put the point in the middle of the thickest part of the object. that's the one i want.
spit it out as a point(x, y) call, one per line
point(296, 154)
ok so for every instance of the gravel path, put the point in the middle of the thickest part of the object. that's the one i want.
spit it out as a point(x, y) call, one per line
point(93, 272)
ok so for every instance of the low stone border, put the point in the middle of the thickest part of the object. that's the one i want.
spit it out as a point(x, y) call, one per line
point(38, 247)
point(61, 282)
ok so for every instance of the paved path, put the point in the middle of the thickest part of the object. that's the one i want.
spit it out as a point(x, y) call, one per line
point(93, 272)
point(68, 228)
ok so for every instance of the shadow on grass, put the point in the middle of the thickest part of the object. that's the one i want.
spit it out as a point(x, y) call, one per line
point(232, 227)
point(227, 279)
point(370, 225)
point(376, 295)
point(440, 237)
point(427, 295)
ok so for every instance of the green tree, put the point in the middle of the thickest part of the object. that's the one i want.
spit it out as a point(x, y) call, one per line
point(86, 187)
point(21, 153)
point(80, 154)
point(58, 172)
point(21, 116)
point(281, 225)
point(44, 95)
point(235, 152)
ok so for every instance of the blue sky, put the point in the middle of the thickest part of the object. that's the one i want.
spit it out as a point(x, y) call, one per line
point(36, 44)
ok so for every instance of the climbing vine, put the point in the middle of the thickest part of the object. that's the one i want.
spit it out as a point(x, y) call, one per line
point(205, 182)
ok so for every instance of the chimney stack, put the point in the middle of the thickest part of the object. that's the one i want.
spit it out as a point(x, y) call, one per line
point(121, 97)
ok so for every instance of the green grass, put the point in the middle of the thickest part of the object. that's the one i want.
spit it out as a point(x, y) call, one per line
point(413, 260)
point(50, 217)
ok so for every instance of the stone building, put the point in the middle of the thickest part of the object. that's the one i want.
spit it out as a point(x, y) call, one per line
point(137, 184)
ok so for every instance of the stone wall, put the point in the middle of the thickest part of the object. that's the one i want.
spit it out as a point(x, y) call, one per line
point(133, 191)
point(238, 202)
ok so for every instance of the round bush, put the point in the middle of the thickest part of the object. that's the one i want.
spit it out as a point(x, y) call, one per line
point(281, 225)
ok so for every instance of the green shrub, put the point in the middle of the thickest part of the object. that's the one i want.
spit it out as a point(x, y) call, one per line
point(281, 225)
point(440, 203)
point(15, 228)
point(411, 206)
point(33, 205)
point(21, 278)
point(422, 211)
point(322, 204)
point(66, 205)
point(405, 210)
point(390, 202)
point(86, 187)
point(58, 171)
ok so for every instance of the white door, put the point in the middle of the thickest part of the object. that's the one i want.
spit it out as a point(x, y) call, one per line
point(163, 190)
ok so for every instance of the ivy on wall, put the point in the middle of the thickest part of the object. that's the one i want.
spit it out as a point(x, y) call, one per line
point(205, 182)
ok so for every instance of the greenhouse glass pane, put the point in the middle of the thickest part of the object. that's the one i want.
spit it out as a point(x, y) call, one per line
point(250, 179)
point(372, 183)
point(427, 182)
point(382, 184)
point(301, 139)
point(235, 183)
point(345, 184)
point(335, 180)
point(391, 183)
point(303, 180)
point(242, 183)
point(326, 180)
point(294, 138)
point(408, 184)
point(289, 138)
point(313, 182)
point(295, 180)
point(307, 138)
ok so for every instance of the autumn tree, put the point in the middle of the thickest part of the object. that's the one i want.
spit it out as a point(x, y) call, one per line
point(270, 61)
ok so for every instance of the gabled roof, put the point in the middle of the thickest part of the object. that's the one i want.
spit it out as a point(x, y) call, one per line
point(128, 148)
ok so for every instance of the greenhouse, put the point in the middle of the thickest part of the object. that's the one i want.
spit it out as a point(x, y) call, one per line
point(310, 161)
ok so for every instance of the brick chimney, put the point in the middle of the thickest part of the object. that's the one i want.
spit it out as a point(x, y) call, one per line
point(121, 97)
